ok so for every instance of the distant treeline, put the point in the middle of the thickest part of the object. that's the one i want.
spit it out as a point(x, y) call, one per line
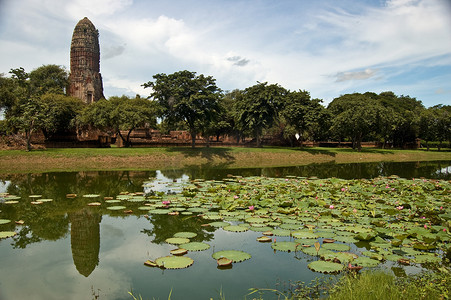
point(37, 101)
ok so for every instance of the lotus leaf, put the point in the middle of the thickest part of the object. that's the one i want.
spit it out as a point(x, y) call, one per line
point(373, 255)
point(159, 211)
point(35, 196)
point(342, 257)
point(312, 251)
point(150, 263)
point(4, 221)
point(116, 207)
point(325, 267)
point(11, 202)
point(195, 246)
point(179, 251)
point(423, 246)
point(304, 235)
point(212, 217)
point(112, 201)
point(234, 255)
point(305, 242)
point(285, 246)
point(184, 234)
point(7, 234)
point(45, 200)
point(365, 236)
point(235, 228)
point(94, 204)
point(366, 262)
point(91, 196)
point(174, 262)
point(426, 258)
point(281, 232)
point(264, 239)
point(260, 229)
point(393, 257)
point(336, 247)
point(324, 234)
point(290, 226)
point(219, 224)
point(177, 240)
point(224, 262)
point(256, 220)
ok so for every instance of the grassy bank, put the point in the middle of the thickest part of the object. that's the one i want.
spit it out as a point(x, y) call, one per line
point(82, 159)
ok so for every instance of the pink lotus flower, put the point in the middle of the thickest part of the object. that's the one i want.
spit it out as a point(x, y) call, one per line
point(166, 202)
point(331, 207)
point(444, 229)
point(354, 210)
point(425, 226)
point(399, 207)
point(251, 207)
point(343, 189)
point(235, 197)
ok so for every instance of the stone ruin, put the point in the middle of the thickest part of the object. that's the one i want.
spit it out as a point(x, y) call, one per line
point(85, 81)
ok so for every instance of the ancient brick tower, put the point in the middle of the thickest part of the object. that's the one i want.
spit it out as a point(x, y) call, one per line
point(85, 81)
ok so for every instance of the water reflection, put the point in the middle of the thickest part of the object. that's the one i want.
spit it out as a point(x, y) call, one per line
point(85, 240)
point(64, 217)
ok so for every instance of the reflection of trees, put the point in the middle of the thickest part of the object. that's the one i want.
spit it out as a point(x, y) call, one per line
point(85, 240)
point(49, 221)
point(165, 226)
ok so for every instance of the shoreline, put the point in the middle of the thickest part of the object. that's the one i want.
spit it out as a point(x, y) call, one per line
point(113, 159)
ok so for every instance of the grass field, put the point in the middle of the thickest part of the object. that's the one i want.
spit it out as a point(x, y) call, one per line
point(81, 159)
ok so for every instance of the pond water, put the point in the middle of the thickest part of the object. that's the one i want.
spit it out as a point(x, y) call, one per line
point(68, 250)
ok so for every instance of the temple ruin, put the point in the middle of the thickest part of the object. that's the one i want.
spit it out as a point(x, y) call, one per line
point(85, 81)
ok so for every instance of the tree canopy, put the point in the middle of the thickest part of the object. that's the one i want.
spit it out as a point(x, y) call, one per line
point(184, 96)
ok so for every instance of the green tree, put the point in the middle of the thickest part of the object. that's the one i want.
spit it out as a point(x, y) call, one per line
point(48, 79)
point(258, 108)
point(31, 119)
point(302, 116)
point(119, 114)
point(356, 117)
point(184, 96)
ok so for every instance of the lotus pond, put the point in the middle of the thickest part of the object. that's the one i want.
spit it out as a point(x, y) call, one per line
point(204, 232)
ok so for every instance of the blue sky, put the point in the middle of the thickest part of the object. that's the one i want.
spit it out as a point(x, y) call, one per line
point(326, 47)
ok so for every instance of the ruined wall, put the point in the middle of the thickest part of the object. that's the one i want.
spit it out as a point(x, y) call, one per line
point(85, 80)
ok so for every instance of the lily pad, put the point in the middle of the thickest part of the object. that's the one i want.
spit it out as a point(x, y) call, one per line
point(234, 255)
point(366, 262)
point(7, 234)
point(285, 246)
point(326, 267)
point(264, 239)
point(185, 234)
point(4, 221)
point(118, 207)
point(177, 241)
point(426, 258)
point(336, 247)
point(195, 246)
point(219, 224)
point(179, 251)
point(235, 228)
point(281, 232)
point(304, 235)
point(174, 262)
point(91, 196)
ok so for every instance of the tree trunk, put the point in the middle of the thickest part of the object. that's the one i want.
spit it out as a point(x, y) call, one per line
point(128, 143)
point(28, 138)
point(258, 138)
point(122, 138)
point(193, 139)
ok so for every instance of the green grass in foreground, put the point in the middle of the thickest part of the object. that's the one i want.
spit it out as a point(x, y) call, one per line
point(369, 285)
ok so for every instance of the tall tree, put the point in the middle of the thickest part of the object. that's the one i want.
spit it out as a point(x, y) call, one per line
point(302, 115)
point(184, 96)
point(119, 114)
point(259, 108)
point(49, 79)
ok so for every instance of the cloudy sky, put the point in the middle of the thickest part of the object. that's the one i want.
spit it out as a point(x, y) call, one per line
point(326, 47)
